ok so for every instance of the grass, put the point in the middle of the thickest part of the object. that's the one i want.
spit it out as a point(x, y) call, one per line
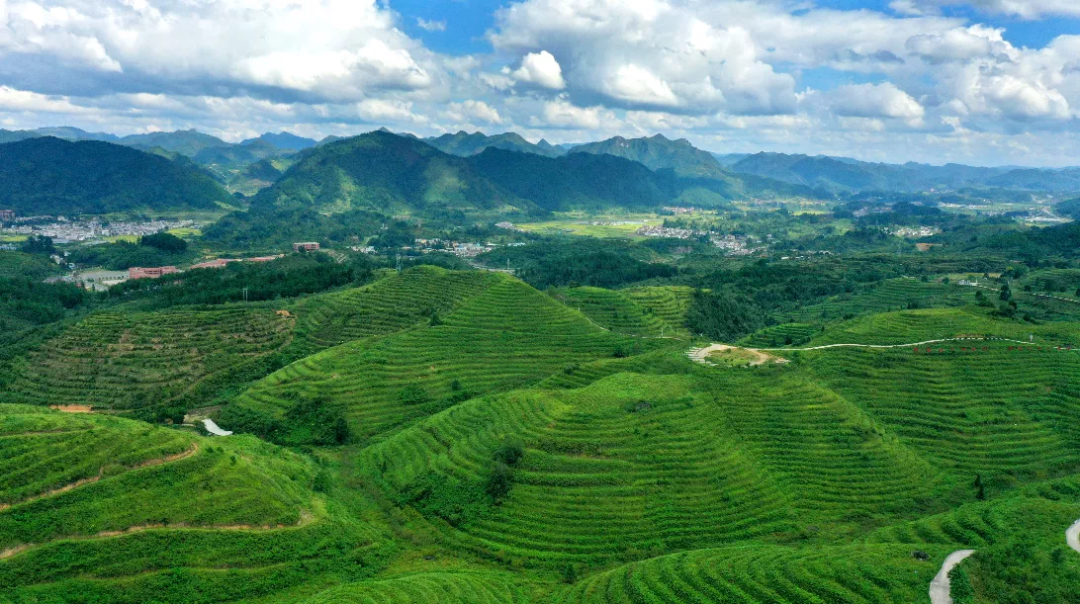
point(507, 336)
point(118, 360)
point(669, 303)
point(616, 311)
point(777, 575)
point(106, 509)
point(629, 473)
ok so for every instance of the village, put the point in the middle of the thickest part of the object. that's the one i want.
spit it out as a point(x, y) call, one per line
point(62, 230)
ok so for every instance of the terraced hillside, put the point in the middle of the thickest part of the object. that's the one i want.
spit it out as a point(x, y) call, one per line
point(777, 575)
point(504, 446)
point(617, 311)
point(670, 303)
point(507, 335)
point(98, 508)
point(388, 305)
point(117, 360)
point(984, 408)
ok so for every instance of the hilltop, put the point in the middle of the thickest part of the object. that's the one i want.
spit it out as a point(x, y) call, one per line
point(466, 144)
point(52, 176)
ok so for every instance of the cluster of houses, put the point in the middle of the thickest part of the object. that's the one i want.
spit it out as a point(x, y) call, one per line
point(61, 230)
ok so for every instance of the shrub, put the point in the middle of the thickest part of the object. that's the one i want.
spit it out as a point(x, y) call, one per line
point(510, 451)
point(499, 481)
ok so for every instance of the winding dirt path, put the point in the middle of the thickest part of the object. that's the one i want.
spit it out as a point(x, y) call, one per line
point(85, 481)
point(1072, 536)
point(306, 518)
point(700, 355)
point(939, 587)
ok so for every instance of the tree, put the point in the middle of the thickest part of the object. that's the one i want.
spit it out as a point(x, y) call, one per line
point(499, 481)
point(341, 431)
point(38, 245)
point(166, 242)
point(1006, 292)
point(510, 451)
point(723, 316)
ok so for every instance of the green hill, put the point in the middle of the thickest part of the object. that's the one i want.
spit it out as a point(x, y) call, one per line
point(658, 153)
point(103, 509)
point(463, 437)
point(385, 172)
point(51, 176)
point(504, 335)
point(185, 142)
point(130, 361)
point(466, 144)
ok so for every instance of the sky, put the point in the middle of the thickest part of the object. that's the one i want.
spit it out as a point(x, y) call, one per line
point(984, 82)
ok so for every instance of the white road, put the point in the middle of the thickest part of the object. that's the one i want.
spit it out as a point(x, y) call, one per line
point(1072, 536)
point(214, 429)
point(939, 587)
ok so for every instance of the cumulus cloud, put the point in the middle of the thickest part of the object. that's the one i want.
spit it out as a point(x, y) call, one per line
point(649, 52)
point(961, 44)
point(542, 69)
point(330, 48)
point(560, 113)
point(738, 71)
point(472, 111)
point(876, 101)
point(1026, 9)
point(387, 111)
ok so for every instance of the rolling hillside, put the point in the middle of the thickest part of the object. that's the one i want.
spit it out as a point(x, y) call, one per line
point(503, 335)
point(52, 176)
point(509, 445)
point(130, 513)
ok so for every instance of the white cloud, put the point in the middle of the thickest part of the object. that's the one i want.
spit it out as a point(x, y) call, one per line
point(332, 48)
point(542, 69)
point(1026, 9)
point(430, 25)
point(875, 101)
point(473, 110)
point(387, 110)
point(560, 113)
point(960, 44)
point(638, 85)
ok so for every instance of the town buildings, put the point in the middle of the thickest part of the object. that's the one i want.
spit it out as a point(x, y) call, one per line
point(137, 272)
point(307, 246)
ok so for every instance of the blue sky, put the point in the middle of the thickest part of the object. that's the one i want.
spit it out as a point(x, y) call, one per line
point(989, 83)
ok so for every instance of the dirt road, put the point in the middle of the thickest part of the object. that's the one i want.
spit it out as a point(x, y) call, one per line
point(939, 587)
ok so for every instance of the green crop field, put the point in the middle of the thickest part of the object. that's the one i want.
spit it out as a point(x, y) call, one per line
point(446, 436)
point(115, 360)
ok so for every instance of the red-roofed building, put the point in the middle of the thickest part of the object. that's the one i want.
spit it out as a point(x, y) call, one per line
point(138, 272)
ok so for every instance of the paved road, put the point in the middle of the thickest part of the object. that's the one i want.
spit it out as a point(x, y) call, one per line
point(939, 587)
point(214, 429)
point(1072, 536)
point(901, 345)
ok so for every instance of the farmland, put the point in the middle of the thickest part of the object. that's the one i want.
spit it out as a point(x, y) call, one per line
point(448, 436)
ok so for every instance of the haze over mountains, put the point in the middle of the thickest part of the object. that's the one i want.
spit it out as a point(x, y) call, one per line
point(381, 170)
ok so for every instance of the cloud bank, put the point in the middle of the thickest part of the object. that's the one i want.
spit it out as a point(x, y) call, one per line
point(897, 84)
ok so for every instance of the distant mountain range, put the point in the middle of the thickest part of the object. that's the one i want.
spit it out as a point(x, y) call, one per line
point(385, 171)
point(845, 175)
point(47, 175)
